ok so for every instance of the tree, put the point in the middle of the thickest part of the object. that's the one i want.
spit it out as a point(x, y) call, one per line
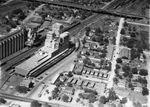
point(87, 61)
point(91, 97)
point(2, 101)
point(86, 90)
point(124, 100)
point(70, 74)
point(79, 55)
point(142, 80)
point(117, 23)
point(106, 41)
point(125, 24)
point(87, 53)
point(133, 34)
point(22, 89)
point(69, 84)
point(134, 70)
point(112, 95)
point(98, 30)
point(145, 91)
point(31, 85)
point(122, 31)
point(117, 66)
point(87, 33)
point(65, 98)
point(143, 72)
point(126, 68)
point(130, 85)
point(35, 103)
point(87, 29)
point(130, 43)
point(103, 99)
point(115, 80)
point(103, 55)
point(119, 60)
point(59, 83)
point(78, 73)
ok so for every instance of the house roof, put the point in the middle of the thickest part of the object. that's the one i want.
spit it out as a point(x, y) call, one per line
point(125, 52)
point(69, 89)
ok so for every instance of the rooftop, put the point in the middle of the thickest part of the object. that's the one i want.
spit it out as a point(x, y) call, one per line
point(125, 52)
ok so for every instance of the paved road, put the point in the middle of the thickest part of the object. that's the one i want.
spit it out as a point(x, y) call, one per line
point(140, 24)
point(112, 75)
point(32, 14)
point(148, 67)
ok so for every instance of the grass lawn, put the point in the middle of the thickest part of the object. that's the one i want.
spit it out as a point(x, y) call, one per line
point(122, 91)
point(138, 97)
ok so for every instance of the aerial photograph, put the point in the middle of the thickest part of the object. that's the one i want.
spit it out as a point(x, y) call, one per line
point(74, 53)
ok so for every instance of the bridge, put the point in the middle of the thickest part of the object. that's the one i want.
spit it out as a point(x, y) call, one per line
point(28, 100)
point(91, 9)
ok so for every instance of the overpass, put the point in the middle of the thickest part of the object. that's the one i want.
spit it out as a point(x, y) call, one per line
point(29, 100)
point(91, 9)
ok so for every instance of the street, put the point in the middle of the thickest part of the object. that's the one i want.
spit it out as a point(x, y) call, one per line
point(112, 75)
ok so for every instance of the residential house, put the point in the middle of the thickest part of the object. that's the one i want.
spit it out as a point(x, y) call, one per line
point(63, 78)
point(85, 83)
point(74, 81)
point(125, 54)
point(122, 83)
point(91, 85)
point(78, 68)
point(69, 90)
point(104, 71)
point(138, 89)
point(79, 83)
point(70, 80)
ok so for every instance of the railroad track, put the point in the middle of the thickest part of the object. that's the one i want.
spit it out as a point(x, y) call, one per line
point(18, 59)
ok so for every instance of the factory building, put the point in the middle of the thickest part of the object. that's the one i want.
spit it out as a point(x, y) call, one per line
point(12, 43)
point(56, 44)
